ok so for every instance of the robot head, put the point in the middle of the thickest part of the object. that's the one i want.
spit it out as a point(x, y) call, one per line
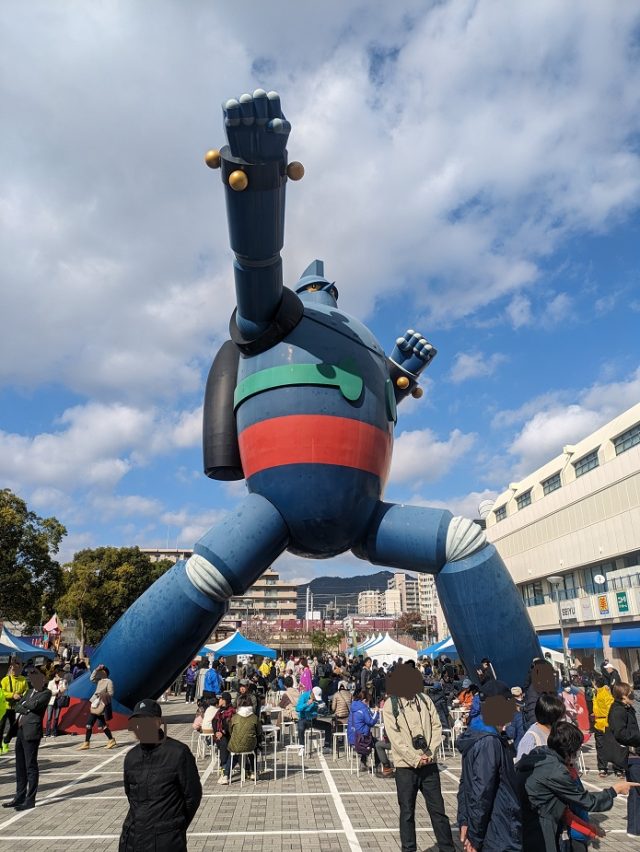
point(314, 287)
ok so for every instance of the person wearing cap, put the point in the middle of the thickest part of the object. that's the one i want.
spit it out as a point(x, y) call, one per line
point(489, 814)
point(610, 674)
point(162, 785)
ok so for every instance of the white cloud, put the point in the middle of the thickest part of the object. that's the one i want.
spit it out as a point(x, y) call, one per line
point(92, 449)
point(420, 457)
point(184, 527)
point(556, 423)
point(470, 153)
point(465, 506)
point(470, 365)
point(519, 311)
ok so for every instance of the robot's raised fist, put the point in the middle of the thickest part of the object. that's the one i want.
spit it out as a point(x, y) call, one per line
point(413, 352)
point(256, 128)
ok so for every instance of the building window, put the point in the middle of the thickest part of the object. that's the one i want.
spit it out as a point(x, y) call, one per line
point(532, 594)
point(551, 484)
point(586, 463)
point(628, 439)
point(501, 513)
point(523, 500)
point(632, 560)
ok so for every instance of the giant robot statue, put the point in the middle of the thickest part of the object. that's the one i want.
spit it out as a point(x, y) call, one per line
point(301, 403)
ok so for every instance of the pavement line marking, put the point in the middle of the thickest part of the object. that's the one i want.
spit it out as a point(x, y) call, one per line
point(279, 833)
point(349, 831)
point(56, 793)
point(450, 774)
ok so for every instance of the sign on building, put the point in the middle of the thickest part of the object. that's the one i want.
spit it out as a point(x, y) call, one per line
point(568, 611)
point(603, 604)
point(586, 610)
point(623, 603)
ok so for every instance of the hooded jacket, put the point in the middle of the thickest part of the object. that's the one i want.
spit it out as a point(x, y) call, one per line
point(245, 729)
point(361, 720)
point(488, 801)
point(163, 787)
point(602, 701)
point(546, 789)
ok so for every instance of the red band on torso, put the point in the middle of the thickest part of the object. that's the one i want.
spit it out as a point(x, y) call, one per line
point(315, 439)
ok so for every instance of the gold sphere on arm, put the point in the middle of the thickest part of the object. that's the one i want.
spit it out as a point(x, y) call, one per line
point(212, 158)
point(238, 180)
point(295, 170)
point(402, 382)
point(417, 393)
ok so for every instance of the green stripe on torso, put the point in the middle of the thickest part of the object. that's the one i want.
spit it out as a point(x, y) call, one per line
point(343, 377)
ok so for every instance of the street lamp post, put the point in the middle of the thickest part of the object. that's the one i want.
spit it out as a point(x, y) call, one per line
point(556, 580)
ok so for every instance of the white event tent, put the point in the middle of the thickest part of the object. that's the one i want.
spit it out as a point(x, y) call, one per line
point(387, 650)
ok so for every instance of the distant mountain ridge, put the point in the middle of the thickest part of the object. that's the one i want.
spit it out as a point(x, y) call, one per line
point(341, 590)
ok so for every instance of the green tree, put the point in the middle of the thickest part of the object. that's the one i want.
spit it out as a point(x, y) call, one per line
point(322, 642)
point(412, 624)
point(30, 578)
point(100, 584)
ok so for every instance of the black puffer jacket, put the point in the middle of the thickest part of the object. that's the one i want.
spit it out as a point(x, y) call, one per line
point(488, 802)
point(164, 791)
point(546, 789)
point(623, 724)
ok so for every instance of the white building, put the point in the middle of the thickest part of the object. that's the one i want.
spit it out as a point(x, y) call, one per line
point(370, 602)
point(407, 586)
point(577, 518)
point(429, 607)
point(392, 602)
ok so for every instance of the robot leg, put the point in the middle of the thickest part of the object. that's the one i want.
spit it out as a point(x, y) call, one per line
point(152, 643)
point(482, 605)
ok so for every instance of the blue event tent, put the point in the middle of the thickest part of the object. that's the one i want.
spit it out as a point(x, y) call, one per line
point(14, 646)
point(239, 644)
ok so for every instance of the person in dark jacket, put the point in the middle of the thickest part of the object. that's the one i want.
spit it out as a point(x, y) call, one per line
point(162, 784)
point(623, 725)
point(488, 801)
point(436, 694)
point(547, 789)
point(541, 679)
point(30, 711)
point(610, 674)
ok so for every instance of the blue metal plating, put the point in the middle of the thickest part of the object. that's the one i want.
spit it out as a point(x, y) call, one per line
point(315, 400)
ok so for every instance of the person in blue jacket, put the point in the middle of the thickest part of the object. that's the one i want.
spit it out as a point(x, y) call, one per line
point(489, 814)
point(359, 725)
point(307, 710)
point(213, 684)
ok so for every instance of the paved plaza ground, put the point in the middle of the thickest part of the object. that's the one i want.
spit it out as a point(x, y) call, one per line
point(81, 804)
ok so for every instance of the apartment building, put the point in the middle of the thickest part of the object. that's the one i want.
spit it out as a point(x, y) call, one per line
point(569, 533)
point(407, 587)
point(269, 597)
point(371, 602)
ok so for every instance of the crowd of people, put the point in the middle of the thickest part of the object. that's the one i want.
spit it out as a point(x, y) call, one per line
point(520, 786)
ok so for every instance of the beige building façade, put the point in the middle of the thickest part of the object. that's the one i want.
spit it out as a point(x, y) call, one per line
point(577, 519)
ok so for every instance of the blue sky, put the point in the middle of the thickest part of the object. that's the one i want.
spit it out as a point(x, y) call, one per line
point(469, 173)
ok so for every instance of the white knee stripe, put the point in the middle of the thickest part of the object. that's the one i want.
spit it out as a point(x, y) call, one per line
point(464, 537)
point(207, 579)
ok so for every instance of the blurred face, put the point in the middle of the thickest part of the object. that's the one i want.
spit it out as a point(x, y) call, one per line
point(145, 729)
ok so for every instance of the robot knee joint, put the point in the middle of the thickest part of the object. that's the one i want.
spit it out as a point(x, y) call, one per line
point(464, 537)
point(207, 578)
